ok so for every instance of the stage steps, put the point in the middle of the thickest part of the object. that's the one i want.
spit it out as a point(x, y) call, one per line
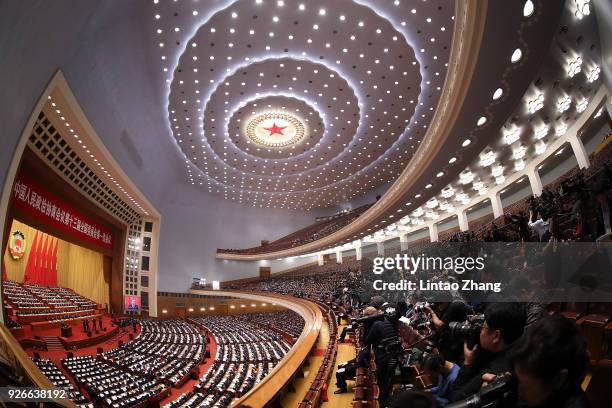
point(53, 343)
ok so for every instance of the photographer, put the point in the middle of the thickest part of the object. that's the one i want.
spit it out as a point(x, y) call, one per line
point(539, 226)
point(444, 371)
point(455, 311)
point(348, 370)
point(550, 362)
point(503, 325)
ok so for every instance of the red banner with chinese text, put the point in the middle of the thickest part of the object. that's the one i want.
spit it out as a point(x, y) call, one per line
point(35, 200)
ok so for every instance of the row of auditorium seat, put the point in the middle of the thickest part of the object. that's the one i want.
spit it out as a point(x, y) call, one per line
point(246, 352)
point(314, 393)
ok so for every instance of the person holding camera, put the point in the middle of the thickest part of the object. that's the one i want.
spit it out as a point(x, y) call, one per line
point(455, 311)
point(503, 325)
point(349, 369)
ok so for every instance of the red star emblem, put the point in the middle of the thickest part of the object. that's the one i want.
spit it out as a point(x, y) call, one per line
point(275, 129)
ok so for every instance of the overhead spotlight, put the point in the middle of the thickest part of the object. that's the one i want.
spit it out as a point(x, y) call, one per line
point(582, 8)
point(497, 94)
point(519, 165)
point(582, 105)
point(519, 152)
point(497, 170)
point(574, 66)
point(447, 191)
point(540, 147)
point(593, 74)
point(511, 135)
point(564, 103)
point(466, 177)
point(536, 103)
point(541, 132)
point(561, 129)
point(516, 55)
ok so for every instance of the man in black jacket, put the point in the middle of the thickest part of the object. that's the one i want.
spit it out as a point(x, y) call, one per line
point(504, 324)
point(380, 336)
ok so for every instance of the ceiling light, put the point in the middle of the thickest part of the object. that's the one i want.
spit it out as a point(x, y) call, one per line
point(497, 94)
point(593, 74)
point(519, 152)
point(322, 12)
point(481, 121)
point(541, 132)
point(574, 66)
point(528, 8)
point(519, 165)
point(431, 203)
point(447, 191)
point(582, 105)
point(466, 143)
point(560, 130)
point(582, 9)
point(512, 135)
point(564, 103)
point(497, 170)
point(540, 147)
point(536, 103)
point(487, 158)
point(466, 177)
point(516, 55)
point(440, 174)
point(452, 160)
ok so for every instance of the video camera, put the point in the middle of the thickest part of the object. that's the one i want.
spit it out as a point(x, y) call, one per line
point(389, 313)
point(469, 330)
point(494, 395)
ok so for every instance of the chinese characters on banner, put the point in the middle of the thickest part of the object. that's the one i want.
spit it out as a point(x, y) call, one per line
point(35, 200)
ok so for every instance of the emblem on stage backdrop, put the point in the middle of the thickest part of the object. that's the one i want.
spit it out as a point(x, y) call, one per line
point(17, 245)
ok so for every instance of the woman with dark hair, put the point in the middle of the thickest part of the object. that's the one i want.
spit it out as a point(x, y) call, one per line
point(550, 362)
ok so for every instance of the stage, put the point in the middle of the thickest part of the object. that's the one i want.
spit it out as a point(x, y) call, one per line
point(33, 338)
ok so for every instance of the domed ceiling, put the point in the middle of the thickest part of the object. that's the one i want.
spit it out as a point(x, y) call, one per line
point(300, 104)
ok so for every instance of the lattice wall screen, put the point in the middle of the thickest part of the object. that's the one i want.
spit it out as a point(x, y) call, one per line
point(50, 145)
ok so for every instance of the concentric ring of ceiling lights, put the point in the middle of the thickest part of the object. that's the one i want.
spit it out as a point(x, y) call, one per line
point(356, 75)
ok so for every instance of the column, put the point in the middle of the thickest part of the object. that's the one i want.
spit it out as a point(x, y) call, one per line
point(496, 203)
point(579, 151)
point(358, 251)
point(535, 181)
point(338, 255)
point(320, 260)
point(380, 248)
point(433, 232)
point(403, 242)
point(463, 221)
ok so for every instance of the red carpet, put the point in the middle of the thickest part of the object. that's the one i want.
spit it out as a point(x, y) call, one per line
point(188, 386)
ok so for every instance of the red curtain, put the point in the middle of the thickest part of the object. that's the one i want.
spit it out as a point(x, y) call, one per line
point(31, 266)
point(42, 262)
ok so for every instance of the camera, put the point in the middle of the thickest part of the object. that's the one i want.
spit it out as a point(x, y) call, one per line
point(422, 306)
point(468, 330)
point(496, 394)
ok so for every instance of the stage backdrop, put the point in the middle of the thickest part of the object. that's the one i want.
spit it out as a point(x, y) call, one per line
point(78, 268)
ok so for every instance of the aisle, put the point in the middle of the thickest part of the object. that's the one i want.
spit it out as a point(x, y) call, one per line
point(302, 384)
point(346, 351)
point(188, 386)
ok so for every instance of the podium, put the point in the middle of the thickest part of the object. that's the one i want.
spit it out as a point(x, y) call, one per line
point(66, 331)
